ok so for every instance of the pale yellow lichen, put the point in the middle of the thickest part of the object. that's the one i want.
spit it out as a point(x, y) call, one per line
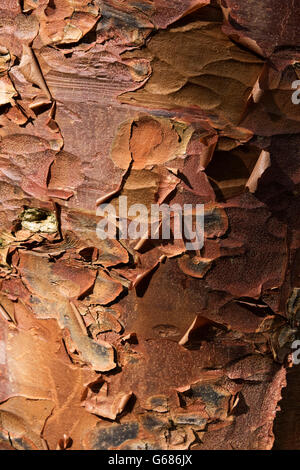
point(39, 220)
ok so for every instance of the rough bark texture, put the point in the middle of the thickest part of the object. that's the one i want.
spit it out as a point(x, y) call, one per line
point(140, 344)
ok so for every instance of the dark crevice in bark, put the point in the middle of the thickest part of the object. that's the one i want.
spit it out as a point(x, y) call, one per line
point(287, 422)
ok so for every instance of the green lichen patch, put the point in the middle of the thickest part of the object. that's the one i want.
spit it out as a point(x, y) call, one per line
point(39, 220)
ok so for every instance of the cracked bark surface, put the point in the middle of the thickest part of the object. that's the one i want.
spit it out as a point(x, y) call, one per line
point(141, 344)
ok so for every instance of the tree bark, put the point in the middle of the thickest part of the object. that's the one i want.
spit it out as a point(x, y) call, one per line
point(139, 342)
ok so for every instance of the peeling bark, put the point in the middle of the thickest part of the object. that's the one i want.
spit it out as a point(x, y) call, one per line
point(142, 344)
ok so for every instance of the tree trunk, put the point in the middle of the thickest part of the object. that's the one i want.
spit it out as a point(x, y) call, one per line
point(141, 340)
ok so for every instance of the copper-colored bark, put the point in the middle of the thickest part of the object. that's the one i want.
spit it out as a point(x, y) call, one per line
point(141, 344)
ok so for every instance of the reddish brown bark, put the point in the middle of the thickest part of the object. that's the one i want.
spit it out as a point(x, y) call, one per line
point(141, 344)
